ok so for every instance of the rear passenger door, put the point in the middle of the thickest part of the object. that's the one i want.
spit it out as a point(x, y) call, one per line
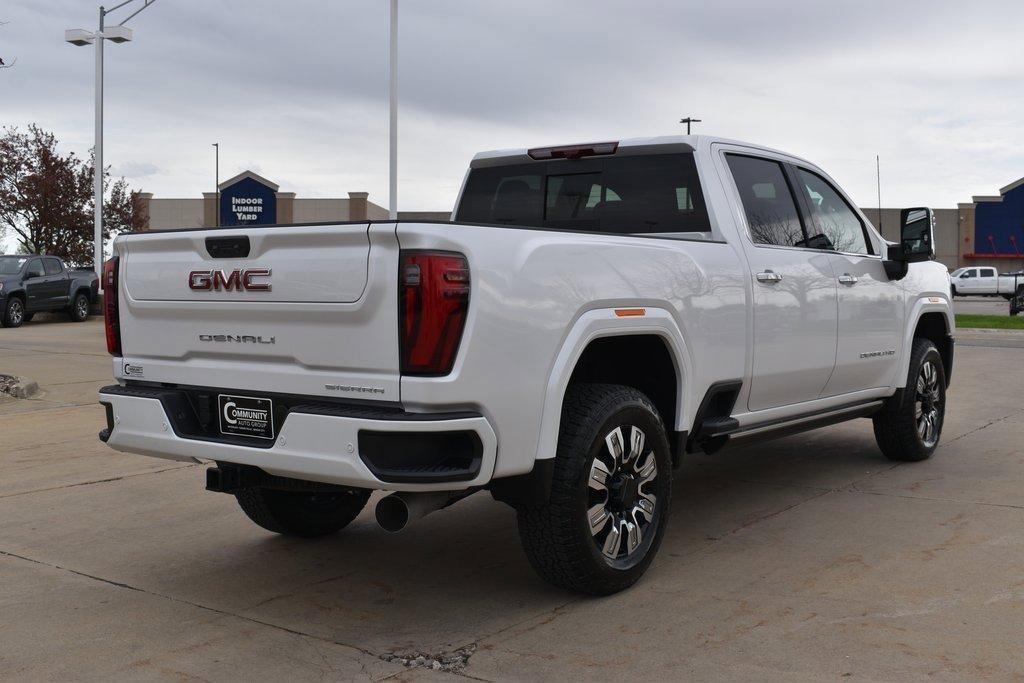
point(56, 282)
point(794, 288)
point(870, 304)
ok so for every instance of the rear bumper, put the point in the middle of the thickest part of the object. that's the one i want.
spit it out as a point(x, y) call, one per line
point(347, 445)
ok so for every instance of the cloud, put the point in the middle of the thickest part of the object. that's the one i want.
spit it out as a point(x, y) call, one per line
point(300, 89)
point(135, 169)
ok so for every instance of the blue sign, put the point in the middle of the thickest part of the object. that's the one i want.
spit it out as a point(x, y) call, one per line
point(248, 202)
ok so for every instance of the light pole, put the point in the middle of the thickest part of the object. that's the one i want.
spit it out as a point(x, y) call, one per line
point(393, 111)
point(688, 120)
point(216, 186)
point(115, 34)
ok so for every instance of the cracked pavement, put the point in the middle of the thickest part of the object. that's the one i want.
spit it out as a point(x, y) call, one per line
point(809, 556)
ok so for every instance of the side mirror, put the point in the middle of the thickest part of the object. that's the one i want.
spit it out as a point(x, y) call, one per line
point(917, 242)
point(917, 235)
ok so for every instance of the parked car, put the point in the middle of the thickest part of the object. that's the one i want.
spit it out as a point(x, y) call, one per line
point(591, 314)
point(31, 284)
point(985, 281)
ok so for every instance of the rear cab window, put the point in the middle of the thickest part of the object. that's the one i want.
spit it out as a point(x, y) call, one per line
point(656, 194)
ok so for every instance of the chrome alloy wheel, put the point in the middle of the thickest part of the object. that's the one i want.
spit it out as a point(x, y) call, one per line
point(928, 404)
point(622, 503)
point(82, 307)
point(16, 312)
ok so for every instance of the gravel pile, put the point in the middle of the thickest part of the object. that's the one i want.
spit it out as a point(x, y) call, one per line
point(452, 662)
point(17, 386)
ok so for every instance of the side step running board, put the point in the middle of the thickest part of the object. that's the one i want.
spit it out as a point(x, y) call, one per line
point(803, 423)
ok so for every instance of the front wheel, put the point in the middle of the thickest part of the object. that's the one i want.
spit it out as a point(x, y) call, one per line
point(13, 313)
point(298, 513)
point(79, 311)
point(908, 427)
point(604, 521)
point(952, 290)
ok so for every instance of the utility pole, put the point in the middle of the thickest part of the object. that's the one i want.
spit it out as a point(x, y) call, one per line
point(689, 120)
point(216, 186)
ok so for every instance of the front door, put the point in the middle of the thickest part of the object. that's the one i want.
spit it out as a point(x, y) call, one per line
point(794, 289)
point(870, 304)
point(36, 293)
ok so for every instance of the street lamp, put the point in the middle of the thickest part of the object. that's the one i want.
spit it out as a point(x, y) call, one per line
point(393, 111)
point(115, 34)
point(216, 186)
point(689, 120)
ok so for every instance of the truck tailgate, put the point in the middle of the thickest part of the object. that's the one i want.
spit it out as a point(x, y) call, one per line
point(311, 310)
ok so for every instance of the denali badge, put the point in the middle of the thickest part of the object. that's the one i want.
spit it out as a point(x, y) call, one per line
point(236, 280)
point(876, 354)
point(239, 338)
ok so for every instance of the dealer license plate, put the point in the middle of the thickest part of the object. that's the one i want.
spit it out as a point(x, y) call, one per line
point(246, 416)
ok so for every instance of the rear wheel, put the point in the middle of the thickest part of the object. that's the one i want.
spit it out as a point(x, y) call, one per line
point(908, 428)
point(14, 312)
point(604, 521)
point(952, 290)
point(299, 513)
point(79, 311)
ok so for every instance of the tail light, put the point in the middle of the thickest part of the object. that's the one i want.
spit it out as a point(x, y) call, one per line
point(434, 299)
point(111, 322)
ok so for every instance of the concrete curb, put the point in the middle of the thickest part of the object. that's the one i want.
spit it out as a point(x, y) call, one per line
point(18, 387)
point(988, 330)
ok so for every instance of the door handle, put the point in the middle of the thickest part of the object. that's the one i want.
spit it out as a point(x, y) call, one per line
point(848, 279)
point(768, 277)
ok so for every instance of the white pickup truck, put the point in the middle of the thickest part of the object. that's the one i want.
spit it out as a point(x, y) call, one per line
point(985, 281)
point(591, 314)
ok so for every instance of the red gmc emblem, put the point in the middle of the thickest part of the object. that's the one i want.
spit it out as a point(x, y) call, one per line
point(233, 281)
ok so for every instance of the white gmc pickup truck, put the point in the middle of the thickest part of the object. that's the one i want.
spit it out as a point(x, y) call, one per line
point(591, 314)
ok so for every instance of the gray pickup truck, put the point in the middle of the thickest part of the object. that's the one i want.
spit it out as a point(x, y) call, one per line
point(31, 284)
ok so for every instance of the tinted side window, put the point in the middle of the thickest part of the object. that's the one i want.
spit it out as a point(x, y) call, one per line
point(34, 267)
point(988, 272)
point(836, 225)
point(52, 266)
point(767, 201)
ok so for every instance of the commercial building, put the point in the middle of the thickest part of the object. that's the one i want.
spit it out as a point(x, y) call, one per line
point(250, 199)
point(987, 231)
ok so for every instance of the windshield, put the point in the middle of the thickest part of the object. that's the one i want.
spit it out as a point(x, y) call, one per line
point(657, 193)
point(11, 265)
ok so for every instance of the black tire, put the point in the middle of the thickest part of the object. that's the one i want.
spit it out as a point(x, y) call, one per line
point(901, 433)
point(14, 312)
point(952, 290)
point(79, 311)
point(298, 513)
point(557, 535)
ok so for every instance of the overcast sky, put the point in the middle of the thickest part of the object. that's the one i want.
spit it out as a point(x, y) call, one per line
point(297, 90)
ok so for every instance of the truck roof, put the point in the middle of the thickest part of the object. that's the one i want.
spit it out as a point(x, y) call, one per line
point(650, 144)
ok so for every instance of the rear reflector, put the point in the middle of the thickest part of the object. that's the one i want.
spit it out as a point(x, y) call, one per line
point(574, 151)
point(434, 298)
point(111, 322)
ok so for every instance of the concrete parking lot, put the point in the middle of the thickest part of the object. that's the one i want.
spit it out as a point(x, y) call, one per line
point(808, 557)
